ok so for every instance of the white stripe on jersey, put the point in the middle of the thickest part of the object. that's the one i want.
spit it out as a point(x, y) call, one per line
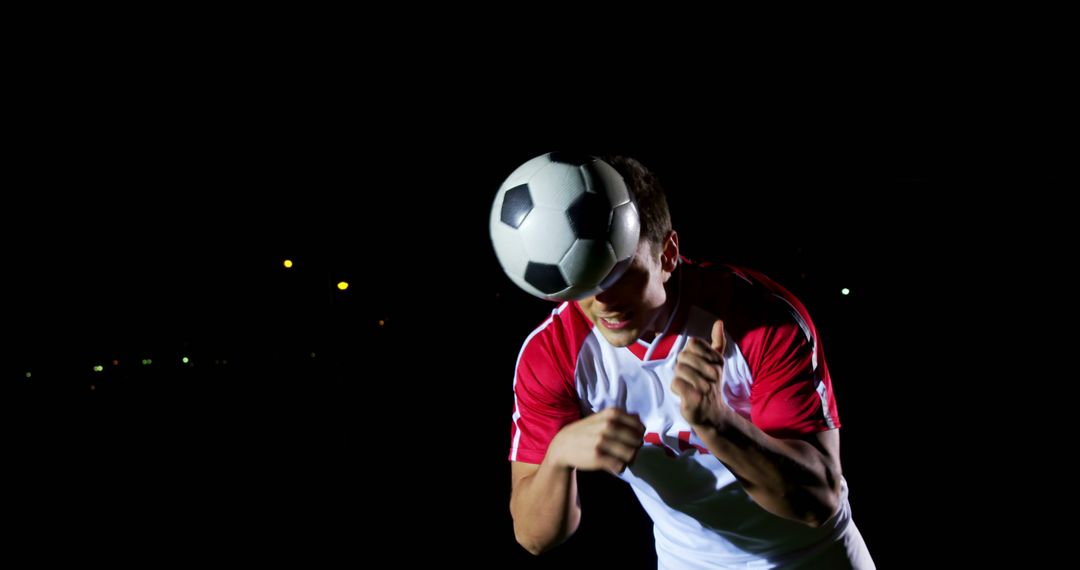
point(517, 413)
point(823, 394)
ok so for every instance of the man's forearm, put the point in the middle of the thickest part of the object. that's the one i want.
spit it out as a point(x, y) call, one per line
point(788, 477)
point(545, 507)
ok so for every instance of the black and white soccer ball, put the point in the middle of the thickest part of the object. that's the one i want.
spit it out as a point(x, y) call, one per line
point(564, 226)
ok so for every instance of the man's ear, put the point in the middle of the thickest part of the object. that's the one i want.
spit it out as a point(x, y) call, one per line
point(669, 256)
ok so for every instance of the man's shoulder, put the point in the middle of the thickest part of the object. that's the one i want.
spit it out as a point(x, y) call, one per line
point(746, 299)
point(720, 288)
point(708, 277)
point(559, 336)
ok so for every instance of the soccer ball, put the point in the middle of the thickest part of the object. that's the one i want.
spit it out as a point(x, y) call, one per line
point(564, 226)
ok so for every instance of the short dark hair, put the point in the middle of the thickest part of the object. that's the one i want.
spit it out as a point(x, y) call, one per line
point(649, 196)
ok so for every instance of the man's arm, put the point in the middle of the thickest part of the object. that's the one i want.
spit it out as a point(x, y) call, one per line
point(544, 504)
point(798, 479)
point(544, 500)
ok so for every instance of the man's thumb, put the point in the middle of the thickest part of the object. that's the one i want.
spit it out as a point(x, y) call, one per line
point(718, 340)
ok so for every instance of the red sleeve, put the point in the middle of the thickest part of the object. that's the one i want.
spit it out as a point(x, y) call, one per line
point(545, 399)
point(789, 397)
point(791, 392)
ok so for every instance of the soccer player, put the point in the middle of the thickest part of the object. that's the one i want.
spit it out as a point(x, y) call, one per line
point(702, 386)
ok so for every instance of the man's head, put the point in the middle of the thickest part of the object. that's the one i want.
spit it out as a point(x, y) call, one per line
point(629, 308)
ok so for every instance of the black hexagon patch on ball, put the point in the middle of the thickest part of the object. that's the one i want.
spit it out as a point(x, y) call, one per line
point(574, 158)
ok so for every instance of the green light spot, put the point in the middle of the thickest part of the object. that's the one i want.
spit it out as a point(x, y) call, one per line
point(184, 360)
point(98, 368)
point(27, 374)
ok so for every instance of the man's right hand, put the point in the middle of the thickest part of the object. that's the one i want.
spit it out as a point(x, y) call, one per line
point(608, 439)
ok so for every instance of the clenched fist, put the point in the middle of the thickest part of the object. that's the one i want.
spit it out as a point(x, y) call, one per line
point(608, 439)
point(699, 371)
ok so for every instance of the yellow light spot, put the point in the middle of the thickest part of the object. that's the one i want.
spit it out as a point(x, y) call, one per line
point(343, 285)
point(28, 374)
point(287, 263)
point(381, 322)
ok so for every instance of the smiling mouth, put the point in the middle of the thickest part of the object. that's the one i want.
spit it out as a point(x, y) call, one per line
point(614, 323)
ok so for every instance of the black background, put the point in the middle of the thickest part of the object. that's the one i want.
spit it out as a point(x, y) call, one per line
point(152, 206)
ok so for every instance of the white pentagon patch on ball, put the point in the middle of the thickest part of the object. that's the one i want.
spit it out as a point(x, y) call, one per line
point(564, 226)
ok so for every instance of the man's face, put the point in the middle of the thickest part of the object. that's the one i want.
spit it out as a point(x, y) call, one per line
point(626, 309)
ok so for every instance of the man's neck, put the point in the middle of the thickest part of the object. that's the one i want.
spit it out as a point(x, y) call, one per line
point(663, 314)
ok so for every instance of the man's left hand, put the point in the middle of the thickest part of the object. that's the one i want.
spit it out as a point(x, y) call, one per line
point(699, 371)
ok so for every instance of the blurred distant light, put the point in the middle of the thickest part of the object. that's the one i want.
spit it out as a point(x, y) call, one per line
point(343, 285)
point(184, 360)
point(845, 291)
point(287, 263)
point(28, 374)
point(382, 322)
point(115, 362)
point(98, 368)
point(313, 355)
point(147, 362)
point(92, 387)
